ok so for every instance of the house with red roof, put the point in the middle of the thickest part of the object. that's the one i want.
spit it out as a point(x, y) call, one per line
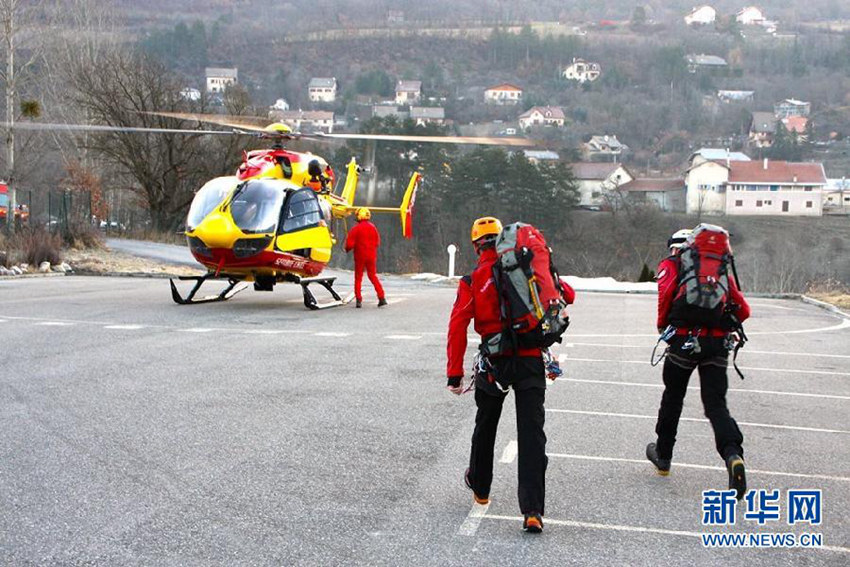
point(505, 93)
point(763, 187)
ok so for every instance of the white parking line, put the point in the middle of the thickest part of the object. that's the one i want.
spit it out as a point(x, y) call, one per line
point(566, 358)
point(198, 330)
point(403, 337)
point(124, 327)
point(692, 466)
point(509, 454)
point(741, 390)
point(272, 331)
point(640, 529)
point(56, 324)
point(331, 334)
point(473, 519)
point(695, 419)
point(747, 351)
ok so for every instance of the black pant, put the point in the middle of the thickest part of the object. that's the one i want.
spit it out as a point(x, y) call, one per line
point(526, 377)
point(712, 362)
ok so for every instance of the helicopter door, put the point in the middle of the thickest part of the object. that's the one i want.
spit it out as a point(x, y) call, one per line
point(302, 229)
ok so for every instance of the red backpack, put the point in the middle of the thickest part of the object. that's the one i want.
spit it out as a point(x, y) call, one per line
point(531, 295)
point(704, 272)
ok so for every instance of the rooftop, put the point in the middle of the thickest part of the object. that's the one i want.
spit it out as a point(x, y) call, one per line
point(426, 112)
point(776, 172)
point(504, 87)
point(655, 184)
point(593, 170)
point(551, 112)
point(707, 60)
point(720, 154)
point(322, 83)
point(408, 86)
point(223, 72)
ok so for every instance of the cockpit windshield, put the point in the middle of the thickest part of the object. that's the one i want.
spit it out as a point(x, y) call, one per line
point(256, 206)
point(208, 197)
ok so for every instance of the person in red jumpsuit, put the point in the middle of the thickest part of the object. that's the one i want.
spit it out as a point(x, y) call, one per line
point(365, 239)
point(711, 360)
point(478, 302)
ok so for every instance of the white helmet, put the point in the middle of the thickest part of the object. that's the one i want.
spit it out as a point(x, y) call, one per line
point(679, 238)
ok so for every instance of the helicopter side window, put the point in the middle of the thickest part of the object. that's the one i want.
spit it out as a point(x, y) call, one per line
point(302, 211)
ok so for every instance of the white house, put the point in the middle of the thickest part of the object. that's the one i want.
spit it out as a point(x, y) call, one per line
point(428, 115)
point(729, 96)
point(505, 93)
point(408, 92)
point(542, 116)
point(582, 71)
point(750, 16)
point(792, 107)
point(836, 196)
point(219, 78)
point(539, 156)
point(280, 104)
point(701, 16)
point(322, 89)
point(705, 184)
point(605, 147)
point(762, 187)
point(305, 120)
point(190, 94)
point(597, 180)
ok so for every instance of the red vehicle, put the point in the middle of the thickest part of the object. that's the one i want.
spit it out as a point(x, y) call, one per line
point(21, 212)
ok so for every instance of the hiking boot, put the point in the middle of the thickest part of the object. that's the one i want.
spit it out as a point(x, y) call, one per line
point(662, 466)
point(737, 475)
point(483, 500)
point(533, 523)
point(358, 304)
point(382, 301)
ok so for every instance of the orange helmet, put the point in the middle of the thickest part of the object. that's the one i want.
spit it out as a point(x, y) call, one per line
point(486, 226)
point(363, 213)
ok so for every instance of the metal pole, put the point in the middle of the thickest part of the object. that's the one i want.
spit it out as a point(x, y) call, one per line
point(9, 26)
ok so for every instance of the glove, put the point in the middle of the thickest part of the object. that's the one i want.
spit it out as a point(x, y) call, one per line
point(455, 385)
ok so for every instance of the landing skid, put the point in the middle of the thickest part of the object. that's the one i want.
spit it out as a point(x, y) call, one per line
point(228, 292)
point(327, 283)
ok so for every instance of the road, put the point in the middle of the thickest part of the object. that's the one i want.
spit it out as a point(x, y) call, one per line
point(134, 431)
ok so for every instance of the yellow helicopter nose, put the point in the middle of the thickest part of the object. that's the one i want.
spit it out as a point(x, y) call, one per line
point(218, 231)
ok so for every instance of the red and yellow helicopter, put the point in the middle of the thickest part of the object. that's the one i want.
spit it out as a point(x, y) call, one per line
point(271, 222)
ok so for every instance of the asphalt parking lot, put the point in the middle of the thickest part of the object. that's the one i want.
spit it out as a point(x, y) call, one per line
point(136, 431)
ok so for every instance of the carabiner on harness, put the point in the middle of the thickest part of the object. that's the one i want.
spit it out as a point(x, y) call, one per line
point(665, 336)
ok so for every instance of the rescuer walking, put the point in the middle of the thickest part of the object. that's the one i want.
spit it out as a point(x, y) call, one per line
point(522, 370)
point(365, 239)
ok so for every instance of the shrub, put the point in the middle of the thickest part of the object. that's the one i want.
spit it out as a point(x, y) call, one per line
point(34, 246)
point(82, 235)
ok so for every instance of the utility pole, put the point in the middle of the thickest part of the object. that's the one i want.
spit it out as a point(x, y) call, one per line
point(8, 16)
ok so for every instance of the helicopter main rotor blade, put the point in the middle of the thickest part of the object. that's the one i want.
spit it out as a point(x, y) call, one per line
point(252, 123)
point(100, 128)
point(473, 140)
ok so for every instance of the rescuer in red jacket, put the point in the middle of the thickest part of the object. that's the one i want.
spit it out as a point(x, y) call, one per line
point(711, 358)
point(478, 300)
point(365, 239)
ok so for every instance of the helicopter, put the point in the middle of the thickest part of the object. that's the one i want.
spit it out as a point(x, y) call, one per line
point(271, 221)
